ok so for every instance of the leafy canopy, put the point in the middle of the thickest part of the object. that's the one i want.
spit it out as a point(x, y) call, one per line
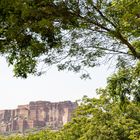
point(72, 34)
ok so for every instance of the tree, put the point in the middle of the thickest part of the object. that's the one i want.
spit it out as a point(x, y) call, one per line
point(114, 115)
point(124, 84)
point(103, 119)
point(72, 34)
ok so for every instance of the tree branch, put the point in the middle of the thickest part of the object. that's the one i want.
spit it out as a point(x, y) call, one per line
point(103, 16)
point(131, 48)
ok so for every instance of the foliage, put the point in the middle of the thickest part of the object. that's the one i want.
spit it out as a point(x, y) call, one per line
point(42, 135)
point(124, 85)
point(96, 119)
point(72, 34)
point(114, 115)
point(102, 119)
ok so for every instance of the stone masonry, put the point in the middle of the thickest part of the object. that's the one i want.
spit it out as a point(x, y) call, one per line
point(37, 114)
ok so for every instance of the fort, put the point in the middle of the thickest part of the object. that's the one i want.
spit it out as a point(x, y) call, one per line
point(37, 114)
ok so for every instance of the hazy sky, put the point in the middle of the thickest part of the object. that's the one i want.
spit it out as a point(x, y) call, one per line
point(52, 86)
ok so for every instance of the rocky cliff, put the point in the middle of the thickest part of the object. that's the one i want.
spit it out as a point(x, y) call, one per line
point(36, 115)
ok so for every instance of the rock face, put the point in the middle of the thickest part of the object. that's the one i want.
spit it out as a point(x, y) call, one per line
point(36, 115)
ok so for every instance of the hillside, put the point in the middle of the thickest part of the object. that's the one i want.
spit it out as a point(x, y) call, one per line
point(36, 115)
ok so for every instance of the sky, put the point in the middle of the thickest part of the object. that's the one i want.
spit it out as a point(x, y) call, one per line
point(53, 86)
